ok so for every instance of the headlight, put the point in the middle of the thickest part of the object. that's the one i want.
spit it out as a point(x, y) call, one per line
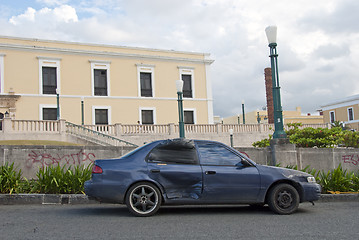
point(311, 179)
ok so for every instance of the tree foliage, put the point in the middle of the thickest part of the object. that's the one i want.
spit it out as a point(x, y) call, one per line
point(317, 137)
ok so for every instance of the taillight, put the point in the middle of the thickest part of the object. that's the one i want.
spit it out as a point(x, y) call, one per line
point(96, 169)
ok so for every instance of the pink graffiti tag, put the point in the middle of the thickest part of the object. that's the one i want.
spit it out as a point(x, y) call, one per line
point(47, 159)
point(351, 159)
point(245, 154)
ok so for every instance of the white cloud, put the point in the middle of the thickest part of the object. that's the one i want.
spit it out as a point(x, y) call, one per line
point(318, 41)
point(62, 13)
point(53, 2)
point(28, 15)
point(65, 13)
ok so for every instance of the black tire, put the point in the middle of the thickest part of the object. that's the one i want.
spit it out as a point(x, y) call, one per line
point(143, 199)
point(283, 199)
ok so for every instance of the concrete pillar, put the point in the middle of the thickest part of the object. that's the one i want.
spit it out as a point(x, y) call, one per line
point(7, 125)
point(219, 128)
point(62, 126)
point(283, 152)
point(118, 129)
point(171, 129)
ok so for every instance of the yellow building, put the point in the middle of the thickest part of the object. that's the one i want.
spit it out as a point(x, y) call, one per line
point(115, 84)
point(344, 110)
point(262, 115)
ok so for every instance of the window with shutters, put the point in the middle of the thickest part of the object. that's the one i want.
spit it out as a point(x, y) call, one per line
point(187, 75)
point(100, 77)
point(332, 116)
point(146, 84)
point(145, 78)
point(187, 86)
point(188, 117)
point(49, 75)
point(350, 114)
point(49, 114)
point(101, 115)
point(147, 115)
point(100, 82)
point(49, 80)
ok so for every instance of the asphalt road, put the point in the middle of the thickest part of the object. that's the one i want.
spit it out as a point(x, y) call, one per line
point(331, 220)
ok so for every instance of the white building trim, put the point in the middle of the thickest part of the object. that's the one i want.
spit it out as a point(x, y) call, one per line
point(109, 114)
point(2, 87)
point(188, 71)
point(49, 62)
point(153, 109)
point(42, 106)
point(146, 68)
point(194, 114)
point(103, 65)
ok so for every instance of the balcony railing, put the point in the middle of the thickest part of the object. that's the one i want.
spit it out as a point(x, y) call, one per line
point(48, 126)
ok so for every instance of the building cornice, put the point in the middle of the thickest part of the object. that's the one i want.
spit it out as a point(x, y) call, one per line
point(7, 46)
point(344, 102)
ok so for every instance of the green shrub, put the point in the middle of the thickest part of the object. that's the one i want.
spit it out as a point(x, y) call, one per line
point(336, 180)
point(57, 179)
point(316, 137)
point(9, 178)
point(351, 139)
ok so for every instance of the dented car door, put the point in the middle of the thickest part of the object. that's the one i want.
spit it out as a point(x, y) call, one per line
point(175, 166)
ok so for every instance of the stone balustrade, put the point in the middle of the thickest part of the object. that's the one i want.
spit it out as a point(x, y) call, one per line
point(244, 134)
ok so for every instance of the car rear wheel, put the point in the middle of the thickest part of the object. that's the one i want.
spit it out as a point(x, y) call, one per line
point(143, 199)
point(283, 199)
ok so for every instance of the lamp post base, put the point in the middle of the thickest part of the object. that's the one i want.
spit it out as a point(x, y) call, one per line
point(282, 152)
point(281, 134)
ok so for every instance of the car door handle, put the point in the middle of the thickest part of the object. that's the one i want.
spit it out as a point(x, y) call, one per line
point(155, 170)
point(210, 172)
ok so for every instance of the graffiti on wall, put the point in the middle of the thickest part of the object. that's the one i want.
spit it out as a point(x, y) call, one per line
point(351, 159)
point(47, 159)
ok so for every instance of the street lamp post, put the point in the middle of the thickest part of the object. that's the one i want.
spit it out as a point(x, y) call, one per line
point(58, 103)
point(244, 116)
point(231, 136)
point(179, 87)
point(279, 132)
point(82, 111)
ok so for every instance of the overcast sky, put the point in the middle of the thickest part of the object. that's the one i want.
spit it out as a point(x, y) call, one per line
point(318, 41)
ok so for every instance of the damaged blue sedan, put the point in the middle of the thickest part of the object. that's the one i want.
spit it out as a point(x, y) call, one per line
point(181, 171)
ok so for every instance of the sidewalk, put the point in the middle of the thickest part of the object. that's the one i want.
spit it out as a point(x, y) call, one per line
point(7, 199)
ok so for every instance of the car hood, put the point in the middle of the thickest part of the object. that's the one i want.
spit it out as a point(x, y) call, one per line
point(280, 173)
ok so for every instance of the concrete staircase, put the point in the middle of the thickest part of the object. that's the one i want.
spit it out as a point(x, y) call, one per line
point(96, 137)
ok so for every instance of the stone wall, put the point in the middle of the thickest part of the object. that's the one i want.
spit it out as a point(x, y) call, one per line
point(30, 158)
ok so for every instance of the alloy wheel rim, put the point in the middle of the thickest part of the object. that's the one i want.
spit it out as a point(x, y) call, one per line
point(144, 199)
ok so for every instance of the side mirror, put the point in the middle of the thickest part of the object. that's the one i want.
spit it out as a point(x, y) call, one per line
point(243, 163)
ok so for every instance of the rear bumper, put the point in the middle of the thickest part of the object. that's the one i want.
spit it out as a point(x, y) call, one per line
point(103, 193)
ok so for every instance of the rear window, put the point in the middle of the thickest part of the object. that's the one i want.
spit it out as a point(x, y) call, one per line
point(174, 151)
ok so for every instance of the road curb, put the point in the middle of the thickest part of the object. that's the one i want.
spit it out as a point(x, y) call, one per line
point(23, 199)
point(12, 199)
point(339, 197)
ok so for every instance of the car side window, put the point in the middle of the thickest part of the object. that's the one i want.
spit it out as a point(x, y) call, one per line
point(217, 154)
point(174, 151)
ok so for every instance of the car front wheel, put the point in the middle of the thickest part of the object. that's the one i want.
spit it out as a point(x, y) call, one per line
point(283, 199)
point(143, 199)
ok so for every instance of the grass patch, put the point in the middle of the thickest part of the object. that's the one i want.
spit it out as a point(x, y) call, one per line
point(37, 142)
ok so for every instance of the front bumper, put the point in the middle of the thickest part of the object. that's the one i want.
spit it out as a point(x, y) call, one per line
point(311, 192)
